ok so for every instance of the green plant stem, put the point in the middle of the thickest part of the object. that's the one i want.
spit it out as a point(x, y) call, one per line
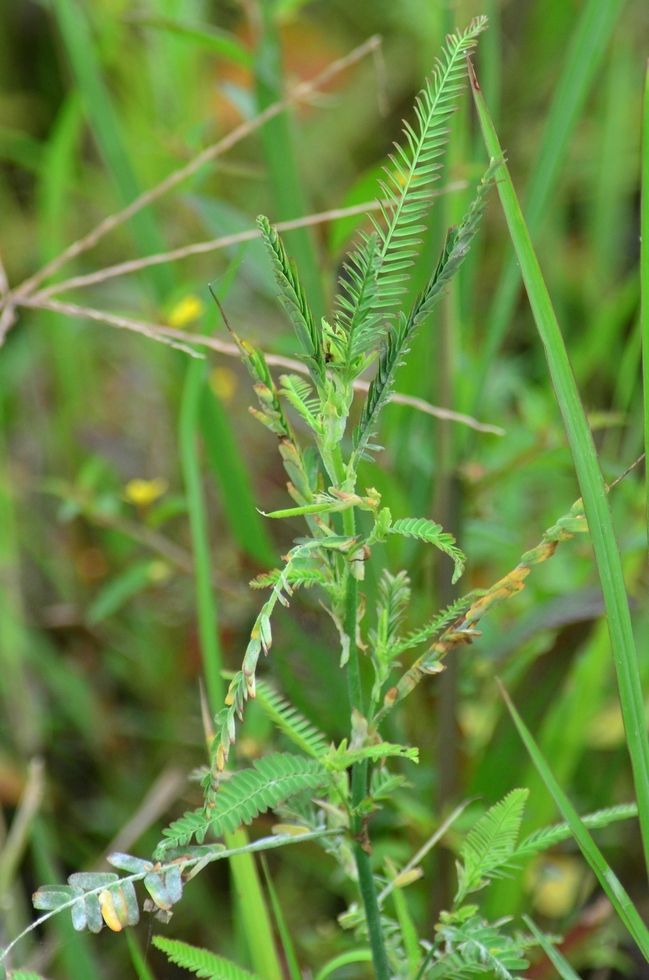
point(589, 475)
point(252, 904)
point(644, 277)
point(362, 857)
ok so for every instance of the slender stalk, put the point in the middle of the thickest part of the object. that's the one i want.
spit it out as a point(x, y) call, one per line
point(362, 857)
point(252, 904)
point(644, 275)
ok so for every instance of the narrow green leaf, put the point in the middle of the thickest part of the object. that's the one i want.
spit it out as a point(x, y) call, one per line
point(591, 481)
point(279, 146)
point(584, 57)
point(285, 937)
point(213, 39)
point(112, 596)
point(81, 50)
point(344, 959)
point(137, 958)
point(224, 459)
point(559, 962)
point(605, 874)
point(644, 275)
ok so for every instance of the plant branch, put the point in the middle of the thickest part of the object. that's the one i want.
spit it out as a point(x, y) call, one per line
point(300, 93)
point(180, 340)
point(215, 244)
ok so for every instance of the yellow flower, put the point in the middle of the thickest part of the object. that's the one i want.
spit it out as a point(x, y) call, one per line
point(223, 383)
point(142, 493)
point(189, 308)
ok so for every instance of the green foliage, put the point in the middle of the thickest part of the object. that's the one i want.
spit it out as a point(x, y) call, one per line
point(200, 961)
point(329, 794)
point(474, 946)
point(292, 722)
point(294, 300)
point(490, 844)
point(547, 837)
point(399, 336)
point(414, 168)
point(247, 793)
point(432, 533)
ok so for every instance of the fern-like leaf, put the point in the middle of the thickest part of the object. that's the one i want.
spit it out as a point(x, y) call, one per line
point(400, 334)
point(291, 721)
point(416, 167)
point(358, 313)
point(435, 626)
point(305, 577)
point(490, 844)
point(294, 300)
point(424, 530)
point(341, 758)
point(202, 962)
point(249, 792)
point(546, 837)
point(476, 947)
point(300, 394)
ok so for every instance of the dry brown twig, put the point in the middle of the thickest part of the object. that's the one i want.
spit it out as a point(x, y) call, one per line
point(25, 295)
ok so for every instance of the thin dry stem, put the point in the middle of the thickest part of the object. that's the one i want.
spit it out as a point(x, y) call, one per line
point(4, 282)
point(149, 330)
point(297, 94)
point(180, 340)
point(199, 248)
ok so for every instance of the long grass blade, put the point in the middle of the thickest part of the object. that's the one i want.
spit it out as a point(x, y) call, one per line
point(584, 58)
point(591, 481)
point(279, 151)
point(644, 275)
point(559, 962)
point(605, 874)
point(104, 123)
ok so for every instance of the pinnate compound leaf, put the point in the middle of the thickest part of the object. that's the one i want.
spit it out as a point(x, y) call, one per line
point(291, 721)
point(416, 166)
point(249, 792)
point(202, 962)
point(488, 847)
point(546, 837)
point(476, 947)
point(429, 531)
point(294, 300)
point(400, 334)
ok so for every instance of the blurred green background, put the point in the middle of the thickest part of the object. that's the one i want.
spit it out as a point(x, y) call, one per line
point(105, 436)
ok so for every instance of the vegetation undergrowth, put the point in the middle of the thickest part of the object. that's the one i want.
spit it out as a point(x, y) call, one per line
point(332, 789)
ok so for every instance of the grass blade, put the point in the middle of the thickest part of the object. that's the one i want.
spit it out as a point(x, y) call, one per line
point(224, 459)
point(279, 151)
point(559, 962)
point(644, 273)
point(605, 874)
point(591, 481)
point(285, 937)
point(106, 129)
point(208, 626)
point(584, 58)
